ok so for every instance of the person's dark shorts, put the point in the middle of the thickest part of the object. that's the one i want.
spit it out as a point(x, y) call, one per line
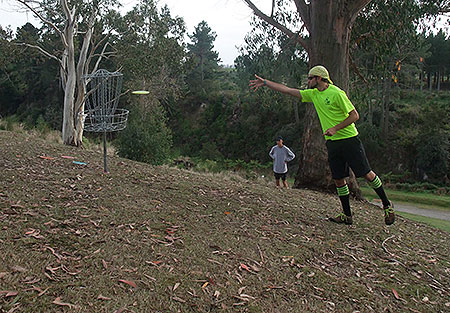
point(346, 153)
point(280, 175)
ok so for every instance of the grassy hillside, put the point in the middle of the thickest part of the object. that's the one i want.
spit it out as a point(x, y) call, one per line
point(158, 239)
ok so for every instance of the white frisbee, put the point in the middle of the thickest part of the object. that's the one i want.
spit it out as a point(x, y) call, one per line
point(140, 92)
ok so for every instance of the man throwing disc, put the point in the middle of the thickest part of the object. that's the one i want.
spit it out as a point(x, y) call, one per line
point(337, 117)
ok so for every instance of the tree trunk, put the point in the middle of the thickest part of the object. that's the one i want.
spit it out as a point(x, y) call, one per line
point(385, 106)
point(68, 129)
point(329, 46)
point(296, 115)
point(329, 24)
point(438, 87)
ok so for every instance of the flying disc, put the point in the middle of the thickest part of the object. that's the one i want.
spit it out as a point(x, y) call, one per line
point(79, 163)
point(140, 92)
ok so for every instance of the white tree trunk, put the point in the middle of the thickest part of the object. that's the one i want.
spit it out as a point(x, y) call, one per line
point(68, 129)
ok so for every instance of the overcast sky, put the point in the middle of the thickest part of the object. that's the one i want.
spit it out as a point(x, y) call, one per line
point(228, 18)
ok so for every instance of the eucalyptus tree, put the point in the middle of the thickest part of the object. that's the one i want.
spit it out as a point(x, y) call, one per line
point(150, 45)
point(83, 44)
point(388, 51)
point(151, 55)
point(323, 29)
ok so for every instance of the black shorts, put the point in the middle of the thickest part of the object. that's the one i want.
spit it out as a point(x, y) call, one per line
point(346, 153)
point(280, 175)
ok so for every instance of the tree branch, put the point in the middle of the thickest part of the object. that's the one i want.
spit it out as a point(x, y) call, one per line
point(52, 25)
point(303, 10)
point(355, 7)
point(356, 70)
point(92, 53)
point(102, 54)
point(41, 50)
point(277, 25)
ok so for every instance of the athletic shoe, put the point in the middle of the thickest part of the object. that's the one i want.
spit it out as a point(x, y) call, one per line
point(342, 219)
point(389, 215)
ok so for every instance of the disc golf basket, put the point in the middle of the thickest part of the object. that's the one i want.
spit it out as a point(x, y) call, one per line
point(101, 114)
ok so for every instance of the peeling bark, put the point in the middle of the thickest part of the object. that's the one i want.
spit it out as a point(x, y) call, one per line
point(72, 70)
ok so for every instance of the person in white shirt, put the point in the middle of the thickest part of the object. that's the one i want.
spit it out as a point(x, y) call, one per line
point(281, 155)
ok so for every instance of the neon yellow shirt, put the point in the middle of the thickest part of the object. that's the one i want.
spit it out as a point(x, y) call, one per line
point(332, 106)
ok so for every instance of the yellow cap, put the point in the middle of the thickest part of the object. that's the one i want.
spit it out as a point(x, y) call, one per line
point(321, 71)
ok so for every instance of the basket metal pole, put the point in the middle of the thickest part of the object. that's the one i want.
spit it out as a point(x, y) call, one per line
point(105, 163)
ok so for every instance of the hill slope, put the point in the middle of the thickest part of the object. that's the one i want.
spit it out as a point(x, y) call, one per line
point(158, 239)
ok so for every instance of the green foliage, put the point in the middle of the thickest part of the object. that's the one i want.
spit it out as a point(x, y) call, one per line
point(9, 122)
point(433, 154)
point(149, 41)
point(147, 137)
point(202, 59)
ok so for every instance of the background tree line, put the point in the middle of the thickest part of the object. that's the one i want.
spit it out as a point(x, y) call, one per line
point(399, 82)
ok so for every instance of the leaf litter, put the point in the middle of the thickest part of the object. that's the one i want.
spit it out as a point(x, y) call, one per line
point(76, 231)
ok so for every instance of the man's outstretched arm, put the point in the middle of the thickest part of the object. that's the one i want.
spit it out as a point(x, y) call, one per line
point(260, 82)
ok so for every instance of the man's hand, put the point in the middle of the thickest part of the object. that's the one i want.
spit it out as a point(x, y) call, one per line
point(256, 83)
point(330, 131)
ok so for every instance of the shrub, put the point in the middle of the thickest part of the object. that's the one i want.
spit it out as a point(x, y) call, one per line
point(147, 137)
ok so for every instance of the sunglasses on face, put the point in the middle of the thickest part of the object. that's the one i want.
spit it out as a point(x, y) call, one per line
point(311, 77)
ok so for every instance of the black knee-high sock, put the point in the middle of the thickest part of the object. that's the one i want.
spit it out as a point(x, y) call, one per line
point(378, 187)
point(344, 196)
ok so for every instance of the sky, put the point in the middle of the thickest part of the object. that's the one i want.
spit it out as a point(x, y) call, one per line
point(229, 19)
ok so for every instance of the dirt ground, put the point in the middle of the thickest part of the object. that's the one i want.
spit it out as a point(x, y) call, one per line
point(160, 239)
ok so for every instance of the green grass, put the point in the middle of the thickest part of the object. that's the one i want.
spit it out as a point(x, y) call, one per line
point(418, 199)
point(434, 222)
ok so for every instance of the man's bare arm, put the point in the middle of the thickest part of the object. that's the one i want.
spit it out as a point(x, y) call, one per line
point(260, 82)
point(352, 117)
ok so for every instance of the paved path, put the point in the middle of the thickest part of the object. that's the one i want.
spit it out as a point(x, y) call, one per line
point(442, 215)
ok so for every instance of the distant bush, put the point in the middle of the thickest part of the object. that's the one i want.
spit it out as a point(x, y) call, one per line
point(147, 137)
point(9, 123)
point(420, 187)
point(249, 170)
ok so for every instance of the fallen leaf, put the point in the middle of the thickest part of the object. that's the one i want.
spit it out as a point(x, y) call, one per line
point(58, 301)
point(227, 212)
point(19, 269)
point(100, 297)
point(179, 299)
point(425, 299)
point(46, 157)
point(128, 282)
point(105, 265)
point(205, 284)
point(10, 293)
point(43, 291)
point(3, 274)
point(175, 286)
point(395, 294)
point(244, 267)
